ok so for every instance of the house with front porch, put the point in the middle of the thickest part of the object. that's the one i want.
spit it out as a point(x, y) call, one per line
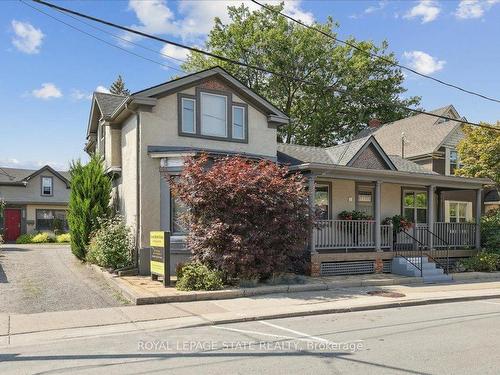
point(144, 138)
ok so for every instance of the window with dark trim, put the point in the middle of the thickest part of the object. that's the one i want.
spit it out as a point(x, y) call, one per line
point(364, 199)
point(239, 122)
point(51, 220)
point(211, 114)
point(47, 186)
point(322, 201)
point(188, 115)
point(415, 206)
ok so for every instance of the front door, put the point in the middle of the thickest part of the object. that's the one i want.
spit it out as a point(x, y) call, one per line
point(12, 224)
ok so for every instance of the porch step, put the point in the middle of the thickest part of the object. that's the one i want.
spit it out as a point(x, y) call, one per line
point(430, 273)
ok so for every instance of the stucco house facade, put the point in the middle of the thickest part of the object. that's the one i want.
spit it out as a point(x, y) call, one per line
point(34, 200)
point(144, 138)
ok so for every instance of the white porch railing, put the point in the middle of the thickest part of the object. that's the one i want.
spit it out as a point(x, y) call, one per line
point(360, 234)
point(350, 234)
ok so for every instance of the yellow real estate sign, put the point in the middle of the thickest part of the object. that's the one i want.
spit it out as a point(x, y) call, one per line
point(159, 253)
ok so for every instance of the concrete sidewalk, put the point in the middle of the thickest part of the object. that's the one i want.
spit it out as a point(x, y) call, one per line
point(19, 329)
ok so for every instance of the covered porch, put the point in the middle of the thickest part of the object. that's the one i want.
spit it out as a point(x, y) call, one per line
point(448, 227)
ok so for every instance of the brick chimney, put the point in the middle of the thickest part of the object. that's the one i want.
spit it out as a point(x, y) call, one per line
point(374, 123)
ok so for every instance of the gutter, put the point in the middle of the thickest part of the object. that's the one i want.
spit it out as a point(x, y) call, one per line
point(377, 173)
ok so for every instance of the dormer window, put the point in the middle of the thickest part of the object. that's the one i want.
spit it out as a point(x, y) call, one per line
point(211, 114)
point(47, 186)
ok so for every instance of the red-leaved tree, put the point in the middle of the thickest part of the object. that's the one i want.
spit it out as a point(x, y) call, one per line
point(249, 219)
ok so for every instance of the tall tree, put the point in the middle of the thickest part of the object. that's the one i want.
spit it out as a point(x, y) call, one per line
point(88, 201)
point(479, 152)
point(118, 87)
point(319, 116)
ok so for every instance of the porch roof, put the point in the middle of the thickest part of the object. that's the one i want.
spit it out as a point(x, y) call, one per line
point(398, 177)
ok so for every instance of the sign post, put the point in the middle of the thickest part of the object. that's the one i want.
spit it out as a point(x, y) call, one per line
point(160, 256)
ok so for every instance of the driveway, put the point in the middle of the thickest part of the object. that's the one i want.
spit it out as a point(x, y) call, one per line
point(38, 278)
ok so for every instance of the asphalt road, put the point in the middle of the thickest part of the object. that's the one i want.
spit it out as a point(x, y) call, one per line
point(455, 338)
point(36, 278)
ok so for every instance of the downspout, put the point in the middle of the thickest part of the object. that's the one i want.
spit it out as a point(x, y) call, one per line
point(138, 187)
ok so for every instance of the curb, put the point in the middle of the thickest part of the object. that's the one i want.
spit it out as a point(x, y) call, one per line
point(136, 299)
point(211, 322)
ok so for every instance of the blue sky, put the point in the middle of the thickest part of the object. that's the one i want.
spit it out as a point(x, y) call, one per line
point(49, 70)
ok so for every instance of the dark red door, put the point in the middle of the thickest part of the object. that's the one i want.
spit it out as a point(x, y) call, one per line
point(12, 224)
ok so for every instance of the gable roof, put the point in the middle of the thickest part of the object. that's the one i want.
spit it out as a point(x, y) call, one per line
point(424, 133)
point(344, 155)
point(194, 78)
point(108, 103)
point(20, 177)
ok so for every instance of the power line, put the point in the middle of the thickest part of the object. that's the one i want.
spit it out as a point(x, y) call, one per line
point(102, 40)
point(374, 55)
point(235, 62)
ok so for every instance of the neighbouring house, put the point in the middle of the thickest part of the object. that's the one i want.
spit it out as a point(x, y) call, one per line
point(491, 200)
point(432, 143)
point(36, 200)
point(145, 136)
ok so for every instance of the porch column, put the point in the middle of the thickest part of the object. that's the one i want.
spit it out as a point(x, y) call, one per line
point(312, 192)
point(479, 194)
point(378, 240)
point(430, 215)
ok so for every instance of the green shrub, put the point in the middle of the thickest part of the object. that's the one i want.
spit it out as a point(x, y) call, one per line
point(354, 215)
point(481, 262)
point(24, 238)
point(111, 245)
point(42, 238)
point(63, 238)
point(196, 276)
point(88, 201)
point(490, 230)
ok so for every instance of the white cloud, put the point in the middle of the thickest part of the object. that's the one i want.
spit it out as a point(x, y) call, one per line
point(423, 62)
point(28, 39)
point(473, 8)
point(371, 9)
point(175, 52)
point(194, 19)
point(80, 95)
point(103, 89)
point(47, 91)
point(426, 10)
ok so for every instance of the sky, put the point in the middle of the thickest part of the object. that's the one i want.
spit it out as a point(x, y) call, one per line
point(49, 70)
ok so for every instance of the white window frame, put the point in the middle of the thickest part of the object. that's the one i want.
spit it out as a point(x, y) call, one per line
point(202, 95)
point(468, 211)
point(48, 178)
point(243, 137)
point(183, 130)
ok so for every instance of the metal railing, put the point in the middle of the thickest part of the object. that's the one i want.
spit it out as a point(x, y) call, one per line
point(410, 248)
point(439, 256)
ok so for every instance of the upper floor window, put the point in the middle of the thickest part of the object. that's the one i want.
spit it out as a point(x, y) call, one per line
point(47, 186)
point(188, 115)
point(239, 122)
point(213, 115)
point(102, 140)
point(454, 161)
